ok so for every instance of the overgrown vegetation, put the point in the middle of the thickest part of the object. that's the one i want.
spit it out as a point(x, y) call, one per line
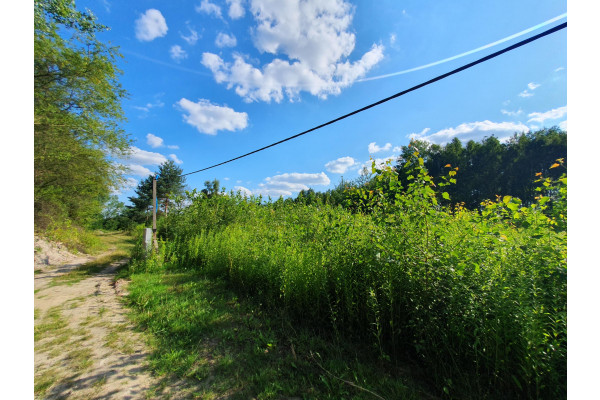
point(475, 297)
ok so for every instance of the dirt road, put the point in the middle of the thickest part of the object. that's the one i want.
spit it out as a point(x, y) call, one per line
point(85, 347)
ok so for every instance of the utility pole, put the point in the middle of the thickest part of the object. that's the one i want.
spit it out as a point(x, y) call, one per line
point(154, 204)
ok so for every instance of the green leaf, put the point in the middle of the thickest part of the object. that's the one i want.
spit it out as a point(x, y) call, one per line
point(446, 196)
point(506, 199)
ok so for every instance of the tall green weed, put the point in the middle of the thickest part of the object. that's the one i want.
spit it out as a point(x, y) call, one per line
point(478, 297)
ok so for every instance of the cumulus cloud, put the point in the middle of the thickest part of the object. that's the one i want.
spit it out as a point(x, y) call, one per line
point(244, 191)
point(137, 170)
point(191, 38)
point(177, 53)
point(225, 40)
point(533, 85)
point(548, 115)
point(236, 10)
point(174, 158)
point(340, 165)
point(154, 141)
point(209, 8)
point(210, 118)
point(128, 184)
point(563, 125)
point(512, 113)
point(143, 157)
point(311, 41)
point(373, 148)
point(150, 25)
point(473, 131)
point(289, 183)
point(525, 93)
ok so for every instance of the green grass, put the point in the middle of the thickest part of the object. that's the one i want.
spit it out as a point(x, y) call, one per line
point(227, 347)
point(120, 245)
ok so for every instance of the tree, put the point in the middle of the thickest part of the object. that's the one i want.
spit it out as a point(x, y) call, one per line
point(211, 188)
point(169, 184)
point(77, 112)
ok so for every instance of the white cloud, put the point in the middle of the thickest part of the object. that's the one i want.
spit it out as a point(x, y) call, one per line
point(392, 38)
point(177, 53)
point(525, 93)
point(533, 86)
point(150, 25)
point(209, 118)
point(138, 170)
point(174, 158)
point(340, 165)
point(150, 106)
point(289, 183)
point(312, 42)
point(474, 131)
point(129, 184)
point(559, 69)
point(512, 113)
point(154, 141)
point(244, 191)
point(379, 162)
point(192, 38)
point(209, 8)
point(143, 157)
point(236, 10)
point(552, 114)
point(563, 125)
point(225, 40)
point(172, 146)
point(373, 148)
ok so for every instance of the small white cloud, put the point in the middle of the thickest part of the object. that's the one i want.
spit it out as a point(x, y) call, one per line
point(244, 191)
point(548, 115)
point(340, 165)
point(143, 157)
point(174, 158)
point(512, 113)
point(150, 25)
point(225, 40)
point(192, 38)
point(236, 10)
point(172, 146)
point(209, 8)
point(177, 53)
point(474, 131)
point(559, 69)
point(373, 148)
point(286, 184)
point(533, 86)
point(525, 93)
point(154, 141)
point(210, 118)
point(137, 170)
point(392, 38)
point(129, 184)
point(563, 125)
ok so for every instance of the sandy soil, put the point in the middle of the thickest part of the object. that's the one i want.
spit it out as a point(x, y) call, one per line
point(85, 347)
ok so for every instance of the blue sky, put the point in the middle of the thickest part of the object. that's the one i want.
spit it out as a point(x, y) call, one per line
point(211, 80)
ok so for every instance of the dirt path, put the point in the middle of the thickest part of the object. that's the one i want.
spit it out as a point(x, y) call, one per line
point(85, 347)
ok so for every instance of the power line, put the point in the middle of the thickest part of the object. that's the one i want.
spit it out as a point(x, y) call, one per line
point(437, 78)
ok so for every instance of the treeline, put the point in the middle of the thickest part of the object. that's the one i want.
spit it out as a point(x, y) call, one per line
point(484, 169)
point(77, 112)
